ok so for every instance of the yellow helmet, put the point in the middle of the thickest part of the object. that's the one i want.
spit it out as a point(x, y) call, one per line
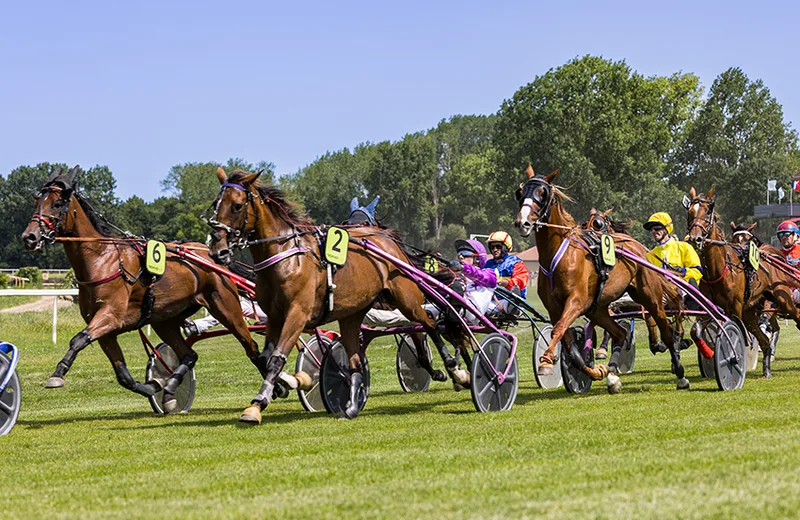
point(502, 237)
point(659, 219)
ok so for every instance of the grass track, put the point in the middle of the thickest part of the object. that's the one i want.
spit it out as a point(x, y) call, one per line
point(94, 450)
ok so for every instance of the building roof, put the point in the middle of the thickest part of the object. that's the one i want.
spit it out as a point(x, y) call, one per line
point(529, 255)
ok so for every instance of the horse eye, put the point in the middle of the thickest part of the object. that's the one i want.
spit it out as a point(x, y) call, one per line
point(237, 207)
point(59, 203)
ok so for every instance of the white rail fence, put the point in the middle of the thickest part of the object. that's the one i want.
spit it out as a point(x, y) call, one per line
point(43, 292)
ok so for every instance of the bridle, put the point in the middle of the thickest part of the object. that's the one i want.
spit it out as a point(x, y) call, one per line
point(707, 219)
point(237, 237)
point(597, 222)
point(49, 224)
point(529, 191)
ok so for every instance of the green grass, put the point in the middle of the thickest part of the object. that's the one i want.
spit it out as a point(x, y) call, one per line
point(94, 450)
point(6, 302)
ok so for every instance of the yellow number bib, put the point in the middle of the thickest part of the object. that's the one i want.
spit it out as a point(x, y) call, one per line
point(156, 257)
point(607, 250)
point(431, 265)
point(754, 256)
point(336, 243)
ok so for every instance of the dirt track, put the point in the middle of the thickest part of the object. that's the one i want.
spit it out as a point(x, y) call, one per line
point(45, 303)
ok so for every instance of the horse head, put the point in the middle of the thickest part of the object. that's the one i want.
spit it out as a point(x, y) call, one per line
point(700, 215)
point(232, 219)
point(743, 233)
point(51, 214)
point(535, 198)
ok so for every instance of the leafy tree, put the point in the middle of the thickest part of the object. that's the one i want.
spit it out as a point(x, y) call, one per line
point(738, 142)
point(609, 129)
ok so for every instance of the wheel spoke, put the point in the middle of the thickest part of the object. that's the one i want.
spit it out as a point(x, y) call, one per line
point(489, 386)
point(6, 408)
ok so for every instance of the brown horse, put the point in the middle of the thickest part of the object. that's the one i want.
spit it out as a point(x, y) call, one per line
point(732, 284)
point(116, 295)
point(292, 284)
point(571, 286)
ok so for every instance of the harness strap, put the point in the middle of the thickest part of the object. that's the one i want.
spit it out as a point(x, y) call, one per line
point(100, 282)
point(724, 272)
point(556, 259)
point(280, 256)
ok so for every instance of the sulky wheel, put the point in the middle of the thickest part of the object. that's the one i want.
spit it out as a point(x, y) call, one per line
point(730, 357)
point(11, 398)
point(156, 370)
point(488, 394)
point(334, 380)
point(627, 356)
point(309, 360)
point(540, 344)
point(710, 331)
point(412, 376)
point(575, 380)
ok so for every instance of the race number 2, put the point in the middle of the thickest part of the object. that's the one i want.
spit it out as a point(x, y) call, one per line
point(336, 242)
point(754, 255)
point(156, 257)
point(607, 250)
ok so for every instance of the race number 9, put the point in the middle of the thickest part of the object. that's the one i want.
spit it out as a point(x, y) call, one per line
point(607, 250)
point(156, 257)
point(336, 242)
point(754, 255)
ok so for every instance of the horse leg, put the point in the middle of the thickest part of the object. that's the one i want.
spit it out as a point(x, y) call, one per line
point(573, 308)
point(652, 302)
point(619, 334)
point(418, 338)
point(101, 324)
point(750, 320)
point(279, 342)
point(224, 306)
point(776, 332)
point(350, 328)
point(112, 350)
point(170, 332)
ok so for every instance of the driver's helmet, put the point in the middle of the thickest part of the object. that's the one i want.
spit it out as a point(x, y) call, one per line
point(659, 219)
point(503, 238)
point(787, 227)
point(472, 248)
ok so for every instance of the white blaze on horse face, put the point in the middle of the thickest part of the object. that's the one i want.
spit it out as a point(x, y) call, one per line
point(525, 211)
point(696, 207)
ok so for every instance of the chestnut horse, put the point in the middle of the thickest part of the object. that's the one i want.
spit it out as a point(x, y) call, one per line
point(726, 274)
point(292, 280)
point(569, 284)
point(113, 288)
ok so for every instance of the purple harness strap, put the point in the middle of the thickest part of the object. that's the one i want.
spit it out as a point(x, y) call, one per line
point(556, 260)
point(234, 186)
point(280, 256)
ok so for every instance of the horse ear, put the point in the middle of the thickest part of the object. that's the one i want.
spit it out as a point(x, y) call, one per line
point(354, 204)
point(593, 211)
point(692, 193)
point(529, 171)
point(250, 179)
point(221, 175)
point(55, 174)
point(711, 195)
point(607, 212)
point(70, 180)
point(551, 177)
point(752, 226)
point(733, 226)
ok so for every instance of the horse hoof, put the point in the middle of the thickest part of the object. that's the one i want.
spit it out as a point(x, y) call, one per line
point(251, 415)
point(457, 387)
point(766, 375)
point(439, 375)
point(461, 377)
point(613, 383)
point(658, 348)
point(304, 381)
point(289, 381)
point(601, 353)
point(545, 369)
point(683, 384)
point(54, 382)
point(171, 406)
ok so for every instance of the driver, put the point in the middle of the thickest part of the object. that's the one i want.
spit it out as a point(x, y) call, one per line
point(680, 258)
point(789, 236)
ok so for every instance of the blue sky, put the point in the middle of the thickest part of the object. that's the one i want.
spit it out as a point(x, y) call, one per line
point(142, 86)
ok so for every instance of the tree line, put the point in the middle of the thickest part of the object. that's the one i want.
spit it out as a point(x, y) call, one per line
point(622, 141)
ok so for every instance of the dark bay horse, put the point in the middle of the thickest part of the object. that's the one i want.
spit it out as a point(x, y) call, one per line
point(732, 285)
point(292, 280)
point(570, 286)
point(113, 288)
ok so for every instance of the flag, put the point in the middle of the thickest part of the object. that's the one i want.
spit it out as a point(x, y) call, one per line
point(781, 194)
point(796, 185)
point(772, 185)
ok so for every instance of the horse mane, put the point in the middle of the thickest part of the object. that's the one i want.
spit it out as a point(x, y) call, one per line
point(289, 212)
point(418, 258)
point(559, 196)
point(99, 223)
